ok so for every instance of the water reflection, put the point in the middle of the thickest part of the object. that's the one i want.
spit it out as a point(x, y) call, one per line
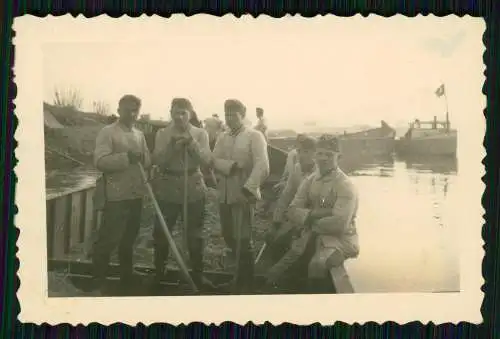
point(60, 181)
point(435, 164)
point(407, 239)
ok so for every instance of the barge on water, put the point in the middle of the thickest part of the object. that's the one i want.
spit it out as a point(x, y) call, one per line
point(428, 138)
point(371, 145)
point(72, 220)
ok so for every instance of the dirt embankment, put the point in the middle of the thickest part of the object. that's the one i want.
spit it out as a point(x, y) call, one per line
point(75, 136)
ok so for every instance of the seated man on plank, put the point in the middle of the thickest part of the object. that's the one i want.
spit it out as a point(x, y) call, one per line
point(325, 207)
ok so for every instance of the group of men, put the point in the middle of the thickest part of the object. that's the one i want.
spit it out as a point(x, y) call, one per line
point(315, 213)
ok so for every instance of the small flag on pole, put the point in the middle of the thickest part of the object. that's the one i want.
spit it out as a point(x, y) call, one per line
point(440, 91)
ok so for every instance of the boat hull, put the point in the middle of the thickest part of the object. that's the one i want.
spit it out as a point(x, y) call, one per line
point(433, 146)
point(374, 142)
point(354, 152)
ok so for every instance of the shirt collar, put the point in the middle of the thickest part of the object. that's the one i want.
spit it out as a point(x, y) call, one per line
point(123, 127)
point(329, 175)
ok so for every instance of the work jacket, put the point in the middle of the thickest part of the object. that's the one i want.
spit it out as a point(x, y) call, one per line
point(245, 148)
point(172, 165)
point(122, 180)
point(337, 237)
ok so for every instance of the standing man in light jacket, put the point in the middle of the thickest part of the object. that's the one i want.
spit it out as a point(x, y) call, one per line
point(261, 122)
point(120, 147)
point(171, 143)
point(240, 156)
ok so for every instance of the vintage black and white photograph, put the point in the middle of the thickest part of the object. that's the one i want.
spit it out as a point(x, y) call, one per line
point(323, 157)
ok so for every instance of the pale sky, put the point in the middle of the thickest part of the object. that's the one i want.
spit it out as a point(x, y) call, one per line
point(335, 71)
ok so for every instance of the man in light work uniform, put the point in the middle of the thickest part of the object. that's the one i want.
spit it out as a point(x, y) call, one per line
point(291, 160)
point(325, 206)
point(279, 236)
point(169, 155)
point(240, 155)
point(261, 122)
point(119, 149)
point(214, 127)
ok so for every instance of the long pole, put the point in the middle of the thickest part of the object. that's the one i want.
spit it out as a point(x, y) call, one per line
point(447, 113)
point(446, 105)
point(185, 204)
point(237, 219)
point(262, 249)
point(170, 240)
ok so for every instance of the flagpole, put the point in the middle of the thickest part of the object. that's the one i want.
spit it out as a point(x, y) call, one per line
point(447, 113)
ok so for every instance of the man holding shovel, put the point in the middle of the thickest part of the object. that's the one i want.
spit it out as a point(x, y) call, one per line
point(119, 150)
point(180, 150)
point(240, 156)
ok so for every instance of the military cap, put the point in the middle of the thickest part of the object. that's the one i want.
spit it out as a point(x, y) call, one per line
point(234, 105)
point(307, 142)
point(182, 103)
point(329, 142)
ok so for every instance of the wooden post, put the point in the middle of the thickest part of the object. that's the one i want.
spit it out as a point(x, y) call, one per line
point(60, 227)
point(75, 210)
point(89, 214)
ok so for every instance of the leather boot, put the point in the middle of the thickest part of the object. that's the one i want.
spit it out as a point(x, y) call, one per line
point(244, 281)
point(196, 254)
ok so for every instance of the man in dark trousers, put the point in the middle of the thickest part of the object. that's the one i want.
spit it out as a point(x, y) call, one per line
point(181, 149)
point(119, 149)
point(240, 157)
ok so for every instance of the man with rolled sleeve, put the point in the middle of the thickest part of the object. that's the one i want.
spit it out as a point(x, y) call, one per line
point(181, 149)
point(119, 149)
point(240, 156)
point(325, 206)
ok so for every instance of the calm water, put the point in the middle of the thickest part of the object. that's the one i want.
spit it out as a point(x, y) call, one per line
point(405, 223)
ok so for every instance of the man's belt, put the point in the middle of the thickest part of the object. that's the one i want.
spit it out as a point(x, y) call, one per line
point(179, 173)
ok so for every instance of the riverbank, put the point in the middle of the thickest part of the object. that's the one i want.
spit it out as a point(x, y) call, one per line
point(70, 132)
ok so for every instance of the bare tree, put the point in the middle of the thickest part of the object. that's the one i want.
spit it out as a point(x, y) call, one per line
point(70, 98)
point(101, 108)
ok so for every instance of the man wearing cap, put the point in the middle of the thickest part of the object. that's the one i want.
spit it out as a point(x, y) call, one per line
point(240, 156)
point(261, 122)
point(180, 150)
point(325, 206)
point(279, 236)
point(119, 148)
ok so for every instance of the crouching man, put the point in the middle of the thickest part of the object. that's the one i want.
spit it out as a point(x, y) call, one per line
point(240, 156)
point(180, 150)
point(325, 206)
